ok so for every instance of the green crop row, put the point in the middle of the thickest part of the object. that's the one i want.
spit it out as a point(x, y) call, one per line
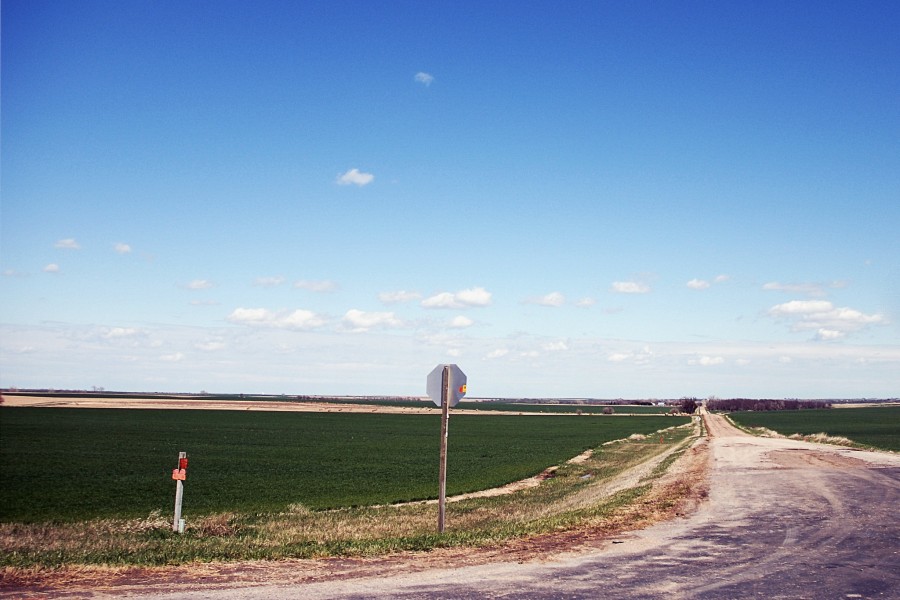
point(76, 464)
point(876, 426)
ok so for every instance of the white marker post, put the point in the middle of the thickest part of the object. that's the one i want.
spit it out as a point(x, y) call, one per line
point(446, 384)
point(179, 475)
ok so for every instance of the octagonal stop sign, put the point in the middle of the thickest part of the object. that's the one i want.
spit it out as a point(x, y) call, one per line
point(456, 380)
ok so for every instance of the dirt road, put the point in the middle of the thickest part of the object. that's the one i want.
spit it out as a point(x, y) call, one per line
point(785, 519)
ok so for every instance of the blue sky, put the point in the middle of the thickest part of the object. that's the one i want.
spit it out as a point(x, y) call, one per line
point(601, 199)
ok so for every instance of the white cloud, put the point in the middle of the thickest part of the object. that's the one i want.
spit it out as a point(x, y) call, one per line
point(707, 361)
point(269, 281)
point(551, 299)
point(471, 297)
point(360, 321)
point(424, 78)
point(355, 177)
point(557, 346)
point(210, 346)
point(321, 287)
point(121, 248)
point(829, 334)
point(301, 319)
point(120, 332)
point(251, 315)
point(263, 317)
point(67, 244)
point(830, 322)
point(618, 356)
point(630, 287)
point(585, 303)
point(474, 297)
point(175, 357)
point(199, 284)
point(722, 278)
point(800, 307)
point(461, 322)
point(698, 284)
point(498, 353)
point(398, 297)
point(51, 268)
point(441, 300)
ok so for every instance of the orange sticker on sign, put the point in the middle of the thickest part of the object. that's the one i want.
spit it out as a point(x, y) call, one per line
point(179, 474)
point(462, 389)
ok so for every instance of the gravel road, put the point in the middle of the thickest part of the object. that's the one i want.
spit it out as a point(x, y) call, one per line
point(785, 519)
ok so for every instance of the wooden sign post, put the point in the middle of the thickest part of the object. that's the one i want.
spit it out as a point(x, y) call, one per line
point(445, 429)
point(446, 384)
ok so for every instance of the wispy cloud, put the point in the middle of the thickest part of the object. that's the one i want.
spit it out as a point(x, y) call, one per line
point(122, 248)
point(355, 177)
point(553, 299)
point(112, 333)
point(557, 346)
point(211, 346)
point(585, 302)
point(630, 287)
point(398, 297)
point(51, 268)
point(268, 281)
point(472, 297)
point(698, 284)
point(638, 356)
point(67, 244)
point(808, 288)
point(322, 286)
point(704, 284)
point(262, 317)
point(424, 78)
point(199, 284)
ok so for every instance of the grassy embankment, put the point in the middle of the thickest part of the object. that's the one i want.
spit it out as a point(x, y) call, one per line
point(875, 426)
point(93, 486)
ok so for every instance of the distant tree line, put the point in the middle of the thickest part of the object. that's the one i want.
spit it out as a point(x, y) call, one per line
point(759, 405)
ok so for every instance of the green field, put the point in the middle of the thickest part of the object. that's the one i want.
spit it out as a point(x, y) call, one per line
point(620, 409)
point(76, 464)
point(877, 426)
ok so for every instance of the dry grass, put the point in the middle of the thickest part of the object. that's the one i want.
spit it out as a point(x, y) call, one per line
point(819, 438)
point(824, 438)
